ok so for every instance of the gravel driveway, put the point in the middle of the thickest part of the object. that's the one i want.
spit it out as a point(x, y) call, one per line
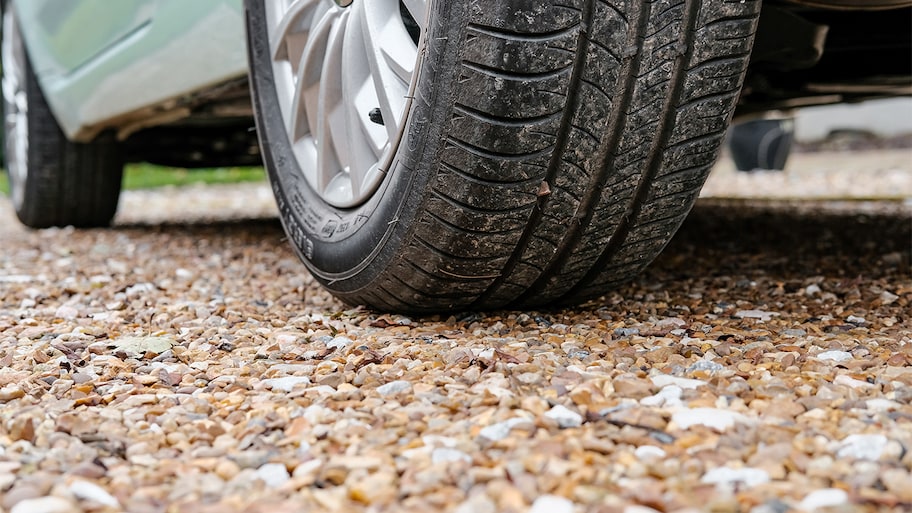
point(185, 362)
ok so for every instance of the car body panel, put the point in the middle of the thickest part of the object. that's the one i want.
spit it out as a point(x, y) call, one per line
point(105, 64)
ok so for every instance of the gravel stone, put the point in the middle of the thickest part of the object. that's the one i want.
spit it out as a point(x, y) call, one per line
point(394, 387)
point(714, 418)
point(835, 356)
point(339, 343)
point(755, 314)
point(565, 417)
point(862, 447)
point(256, 404)
point(501, 430)
point(648, 453)
point(287, 383)
point(663, 380)
point(87, 491)
point(551, 504)
point(749, 477)
point(826, 498)
point(44, 505)
point(273, 474)
point(448, 455)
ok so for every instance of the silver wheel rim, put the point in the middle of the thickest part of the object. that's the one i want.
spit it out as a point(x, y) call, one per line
point(16, 107)
point(344, 74)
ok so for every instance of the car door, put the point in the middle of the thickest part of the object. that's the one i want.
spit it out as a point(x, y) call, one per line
point(104, 64)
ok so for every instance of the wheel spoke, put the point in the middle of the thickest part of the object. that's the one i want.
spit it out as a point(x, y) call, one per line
point(383, 41)
point(368, 139)
point(292, 31)
point(418, 10)
point(307, 81)
point(328, 164)
point(332, 96)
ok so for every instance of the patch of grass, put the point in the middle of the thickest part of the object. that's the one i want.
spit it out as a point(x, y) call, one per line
point(148, 176)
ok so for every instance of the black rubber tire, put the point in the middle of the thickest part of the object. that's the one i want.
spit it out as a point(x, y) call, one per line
point(761, 144)
point(67, 183)
point(552, 150)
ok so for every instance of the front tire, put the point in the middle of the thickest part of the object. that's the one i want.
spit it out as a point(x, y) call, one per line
point(549, 153)
point(53, 181)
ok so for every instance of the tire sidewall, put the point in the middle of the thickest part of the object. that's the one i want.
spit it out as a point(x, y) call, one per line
point(346, 249)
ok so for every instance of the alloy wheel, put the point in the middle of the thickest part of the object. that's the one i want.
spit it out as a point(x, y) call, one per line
point(15, 106)
point(344, 76)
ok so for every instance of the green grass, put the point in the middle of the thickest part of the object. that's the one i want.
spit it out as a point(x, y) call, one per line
point(148, 176)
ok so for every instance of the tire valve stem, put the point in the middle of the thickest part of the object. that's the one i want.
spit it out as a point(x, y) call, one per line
point(376, 116)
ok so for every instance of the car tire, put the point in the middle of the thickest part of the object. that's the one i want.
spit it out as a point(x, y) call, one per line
point(762, 144)
point(550, 152)
point(53, 181)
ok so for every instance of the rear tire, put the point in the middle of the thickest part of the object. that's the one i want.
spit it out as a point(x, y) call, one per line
point(551, 151)
point(762, 144)
point(53, 181)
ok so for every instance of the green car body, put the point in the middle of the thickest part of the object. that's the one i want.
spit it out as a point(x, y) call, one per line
point(104, 64)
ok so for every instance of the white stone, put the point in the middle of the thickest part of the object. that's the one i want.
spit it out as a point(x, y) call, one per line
point(138, 346)
point(851, 382)
point(880, 404)
point(287, 383)
point(447, 455)
point(501, 430)
point(273, 474)
point(649, 453)
point(812, 290)
point(92, 492)
point(667, 397)
point(663, 380)
point(827, 497)
point(755, 314)
point(44, 505)
point(139, 288)
point(836, 356)
point(308, 468)
point(16, 278)
point(66, 312)
point(551, 504)
point(671, 321)
point(887, 298)
point(339, 343)
point(728, 476)
point(565, 417)
point(714, 418)
point(862, 447)
point(284, 339)
point(854, 319)
point(183, 274)
point(317, 414)
point(394, 387)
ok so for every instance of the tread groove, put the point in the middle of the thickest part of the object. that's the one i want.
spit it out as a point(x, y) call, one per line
point(556, 156)
point(618, 238)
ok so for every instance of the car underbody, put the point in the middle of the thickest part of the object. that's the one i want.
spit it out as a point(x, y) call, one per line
point(806, 53)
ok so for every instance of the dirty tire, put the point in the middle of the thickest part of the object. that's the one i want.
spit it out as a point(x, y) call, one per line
point(552, 150)
point(63, 183)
